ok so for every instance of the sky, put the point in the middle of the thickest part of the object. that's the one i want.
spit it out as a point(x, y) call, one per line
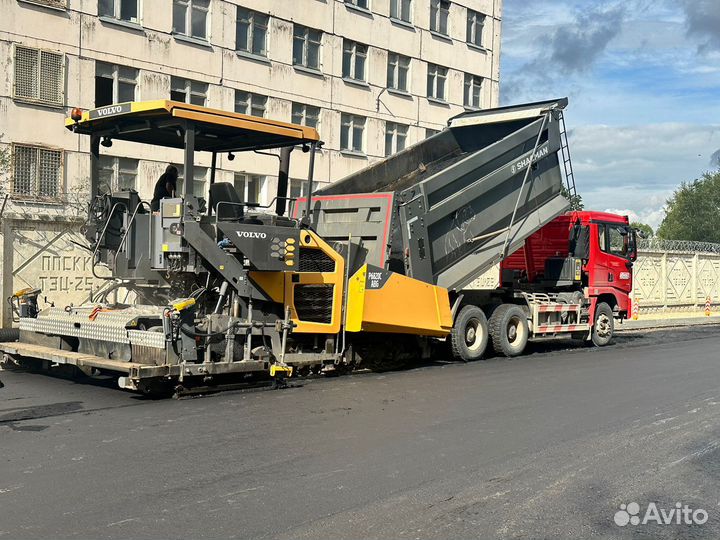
point(643, 79)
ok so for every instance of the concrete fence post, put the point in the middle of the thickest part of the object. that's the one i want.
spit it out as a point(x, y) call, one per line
point(664, 274)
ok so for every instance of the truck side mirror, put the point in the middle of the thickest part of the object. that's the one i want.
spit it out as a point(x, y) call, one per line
point(632, 247)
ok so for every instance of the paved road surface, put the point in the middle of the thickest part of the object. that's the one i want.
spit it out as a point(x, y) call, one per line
point(545, 446)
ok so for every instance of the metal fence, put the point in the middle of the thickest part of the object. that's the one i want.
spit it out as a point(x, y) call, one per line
point(686, 246)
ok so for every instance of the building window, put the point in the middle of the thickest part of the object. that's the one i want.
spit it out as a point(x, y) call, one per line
point(306, 47)
point(352, 133)
point(188, 91)
point(199, 183)
point(190, 18)
point(473, 87)
point(117, 174)
point(251, 32)
point(39, 76)
point(429, 132)
point(439, 12)
point(249, 103)
point(306, 115)
point(363, 4)
point(248, 186)
point(475, 25)
point(401, 9)
point(354, 59)
point(124, 10)
point(37, 171)
point(395, 137)
point(437, 76)
point(114, 84)
point(397, 72)
point(297, 188)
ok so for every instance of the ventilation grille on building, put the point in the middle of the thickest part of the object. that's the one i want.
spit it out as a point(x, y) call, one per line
point(315, 260)
point(39, 75)
point(36, 171)
point(313, 303)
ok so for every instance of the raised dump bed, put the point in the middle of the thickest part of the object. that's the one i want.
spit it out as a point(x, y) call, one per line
point(446, 209)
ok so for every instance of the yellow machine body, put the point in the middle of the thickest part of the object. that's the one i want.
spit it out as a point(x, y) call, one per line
point(383, 301)
point(323, 278)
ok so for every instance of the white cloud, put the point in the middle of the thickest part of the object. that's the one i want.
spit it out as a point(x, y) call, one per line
point(636, 168)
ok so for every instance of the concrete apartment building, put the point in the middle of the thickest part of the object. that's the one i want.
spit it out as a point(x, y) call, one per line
point(373, 76)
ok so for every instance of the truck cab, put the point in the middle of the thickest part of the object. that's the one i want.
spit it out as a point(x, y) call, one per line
point(582, 259)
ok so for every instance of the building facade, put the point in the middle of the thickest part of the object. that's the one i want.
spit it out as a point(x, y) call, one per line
point(373, 76)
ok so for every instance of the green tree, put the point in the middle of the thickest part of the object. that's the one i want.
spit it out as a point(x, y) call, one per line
point(576, 202)
point(644, 228)
point(693, 211)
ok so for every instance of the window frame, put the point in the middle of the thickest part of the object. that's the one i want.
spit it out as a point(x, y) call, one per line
point(117, 11)
point(439, 13)
point(35, 195)
point(37, 99)
point(437, 72)
point(181, 179)
point(399, 9)
point(354, 50)
point(307, 42)
point(395, 131)
point(353, 121)
point(292, 182)
point(116, 80)
point(304, 114)
point(252, 27)
point(117, 170)
point(247, 179)
point(356, 4)
point(251, 103)
point(395, 68)
point(473, 21)
point(190, 6)
point(605, 241)
point(470, 83)
point(188, 90)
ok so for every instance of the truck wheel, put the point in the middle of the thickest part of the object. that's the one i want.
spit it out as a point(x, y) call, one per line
point(469, 335)
point(509, 330)
point(603, 325)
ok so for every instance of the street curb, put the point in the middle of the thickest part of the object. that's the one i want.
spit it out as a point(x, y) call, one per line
point(641, 324)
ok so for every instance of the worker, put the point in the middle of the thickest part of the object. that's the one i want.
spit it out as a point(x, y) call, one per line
point(165, 187)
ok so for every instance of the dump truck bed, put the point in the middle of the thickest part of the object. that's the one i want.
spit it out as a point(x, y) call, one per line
point(446, 209)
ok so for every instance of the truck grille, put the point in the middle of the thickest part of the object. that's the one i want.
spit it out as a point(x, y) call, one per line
point(313, 303)
point(315, 260)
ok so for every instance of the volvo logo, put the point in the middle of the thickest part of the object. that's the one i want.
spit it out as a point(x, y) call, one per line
point(110, 110)
point(251, 234)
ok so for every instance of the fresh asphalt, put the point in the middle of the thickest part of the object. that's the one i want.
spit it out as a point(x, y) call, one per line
point(544, 446)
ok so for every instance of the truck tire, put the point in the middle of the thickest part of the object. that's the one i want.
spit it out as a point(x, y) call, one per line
point(603, 325)
point(469, 334)
point(509, 330)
